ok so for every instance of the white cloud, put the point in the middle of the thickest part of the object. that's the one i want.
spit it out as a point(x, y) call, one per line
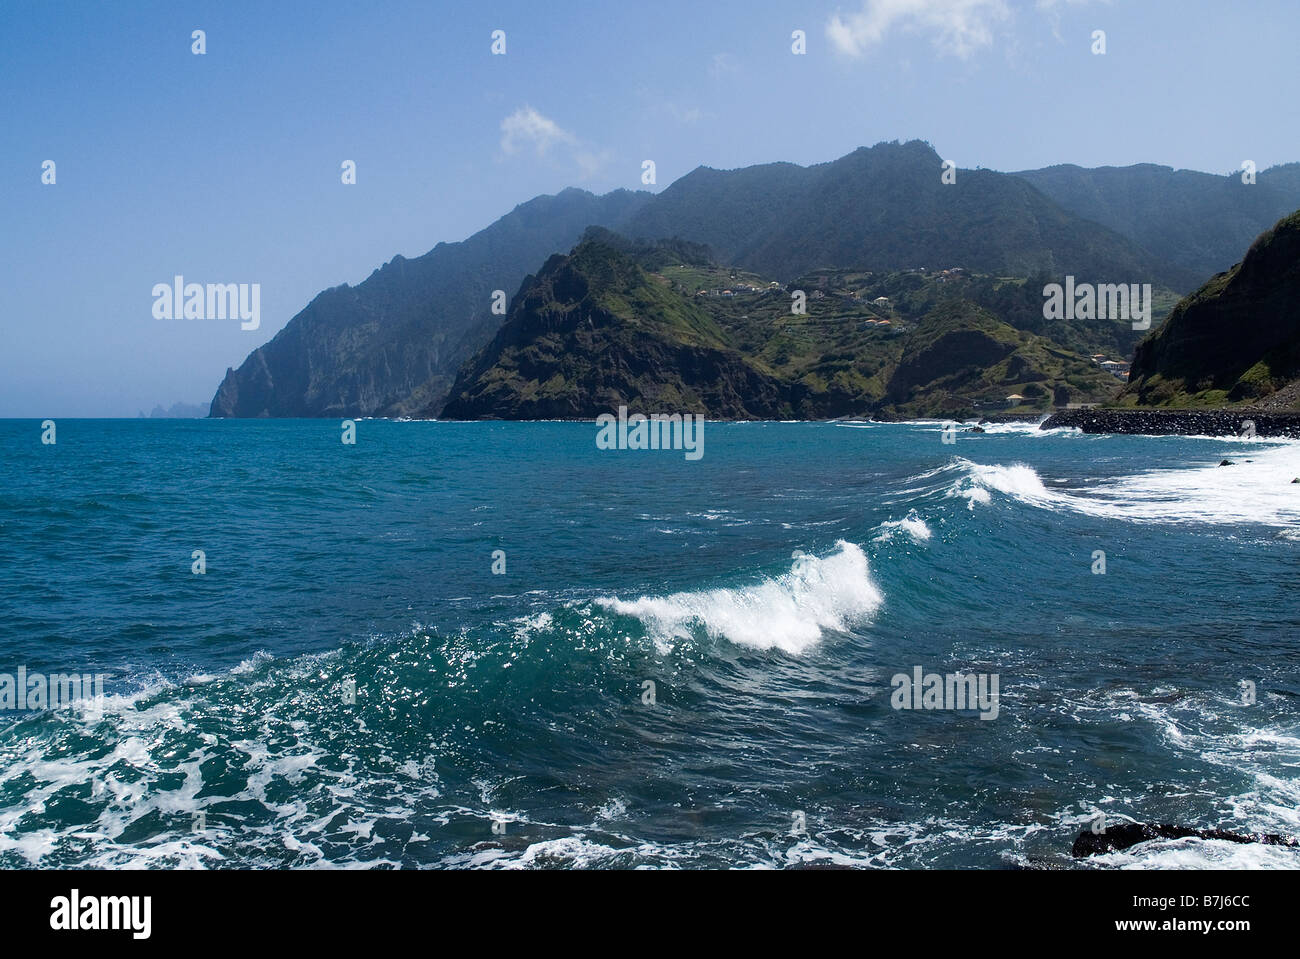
point(958, 27)
point(528, 127)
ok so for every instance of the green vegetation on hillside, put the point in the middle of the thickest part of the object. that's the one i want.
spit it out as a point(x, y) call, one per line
point(1235, 341)
point(598, 329)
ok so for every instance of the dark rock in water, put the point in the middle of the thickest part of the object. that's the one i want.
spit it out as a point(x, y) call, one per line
point(975, 429)
point(1227, 463)
point(1117, 838)
point(821, 866)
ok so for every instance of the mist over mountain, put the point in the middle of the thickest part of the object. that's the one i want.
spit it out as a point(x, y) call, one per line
point(1198, 221)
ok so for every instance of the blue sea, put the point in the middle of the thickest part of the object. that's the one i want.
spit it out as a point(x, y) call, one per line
point(493, 645)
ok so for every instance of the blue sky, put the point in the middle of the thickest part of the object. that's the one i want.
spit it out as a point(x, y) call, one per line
point(225, 167)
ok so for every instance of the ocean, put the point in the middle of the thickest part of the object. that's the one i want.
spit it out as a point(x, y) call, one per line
point(494, 645)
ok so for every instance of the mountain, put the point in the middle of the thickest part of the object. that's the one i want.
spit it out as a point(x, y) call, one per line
point(886, 208)
point(1236, 340)
point(592, 331)
point(392, 344)
point(617, 323)
point(189, 411)
point(1199, 221)
point(963, 358)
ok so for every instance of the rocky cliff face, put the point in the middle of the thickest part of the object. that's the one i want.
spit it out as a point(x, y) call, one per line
point(593, 331)
point(1236, 340)
point(392, 345)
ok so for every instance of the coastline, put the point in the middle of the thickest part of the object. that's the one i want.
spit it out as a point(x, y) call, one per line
point(1177, 422)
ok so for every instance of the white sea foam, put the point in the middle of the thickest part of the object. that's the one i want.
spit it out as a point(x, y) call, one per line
point(526, 626)
point(1200, 854)
point(1028, 429)
point(1017, 428)
point(1256, 489)
point(791, 612)
point(912, 525)
point(1018, 481)
point(1191, 725)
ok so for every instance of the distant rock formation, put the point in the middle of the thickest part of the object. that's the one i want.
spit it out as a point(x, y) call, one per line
point(177, 411)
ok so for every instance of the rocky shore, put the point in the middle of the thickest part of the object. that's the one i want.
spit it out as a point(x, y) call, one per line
point(1177, 422)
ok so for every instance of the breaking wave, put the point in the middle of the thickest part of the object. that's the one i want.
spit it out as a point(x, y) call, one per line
point(1256, 488)
point(790, 612)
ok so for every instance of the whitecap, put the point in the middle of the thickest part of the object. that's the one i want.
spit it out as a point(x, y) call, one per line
point(911, 525)
point(790, 612)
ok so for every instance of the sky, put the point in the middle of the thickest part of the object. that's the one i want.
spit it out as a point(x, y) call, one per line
point(226, 166)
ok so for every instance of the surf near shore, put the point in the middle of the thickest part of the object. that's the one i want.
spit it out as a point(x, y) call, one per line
point(1178, 422)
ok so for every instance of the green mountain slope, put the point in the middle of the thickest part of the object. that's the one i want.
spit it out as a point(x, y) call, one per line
point(960, 358)
point(594, 330)
point(392, 345)
point(598, 329)
point(1236, 340)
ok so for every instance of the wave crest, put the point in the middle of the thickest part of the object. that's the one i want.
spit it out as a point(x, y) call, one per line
point(790, 612)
